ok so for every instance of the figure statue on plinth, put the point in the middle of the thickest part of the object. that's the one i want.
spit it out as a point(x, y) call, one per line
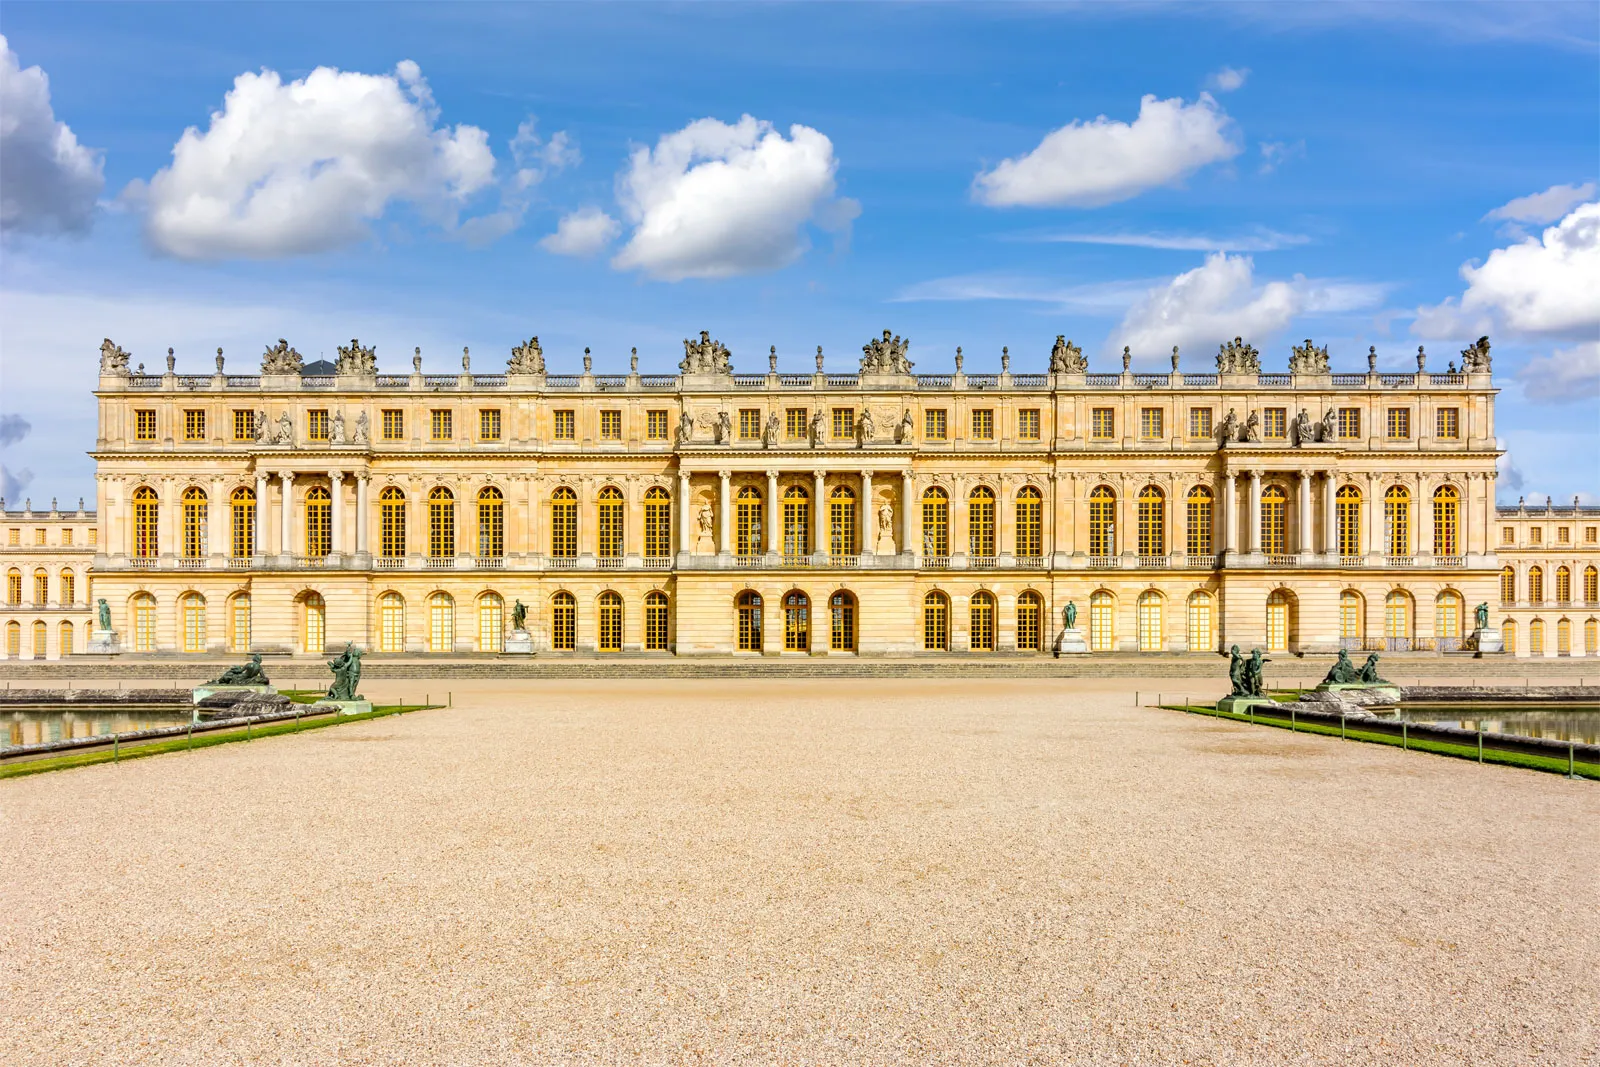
point(1071, 615)
point(519, 617)
point(1236, 674)
point(1369, 671)
point(346, 670)
point(1343, 672)
point(105, 615)
point(1481, 615)
point(1258, 684)
point(244, 674)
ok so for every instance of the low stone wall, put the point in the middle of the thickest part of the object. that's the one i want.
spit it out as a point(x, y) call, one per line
point(97, 697)
point(156, 732)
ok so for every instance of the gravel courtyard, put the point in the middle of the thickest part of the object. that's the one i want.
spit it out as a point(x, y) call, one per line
point(831, 871)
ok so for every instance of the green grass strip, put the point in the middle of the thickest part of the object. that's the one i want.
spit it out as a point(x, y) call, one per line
point(1438, 748)
point(193, 742)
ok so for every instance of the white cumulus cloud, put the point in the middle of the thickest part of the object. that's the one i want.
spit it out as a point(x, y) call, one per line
point(1228, 79)
point(288, 169)
point(1545, 207)
point(1564, 376)
point(48, 181)
point(713, 200)
point(1088, 164)
point(584, 232)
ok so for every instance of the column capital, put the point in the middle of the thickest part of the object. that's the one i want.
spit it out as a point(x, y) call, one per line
point(724, 475)
point(336, 476)
point(772, 476)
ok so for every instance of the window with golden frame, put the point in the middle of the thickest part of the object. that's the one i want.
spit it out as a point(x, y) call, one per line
point(244, 424)
point(1102, 521)
point(564, 523)
point(564, 622)
point(394, 424)
point(491, 523)
point(981, 622)
point(391, 623)
point(1274, 511)
point(1152, 424)
point(1199, 509)
point(1508, 585)
point(1347, 512)
point(1152, 510)
point(1536, 585)
point(1399, 424)
point(1200, 422)
point(489, 424)
point(748, 609)
point(796, 522)
point(795, 423)
point(146, 522)
point(242, 511)
point(610, 425)
point(566, 424)
point(657, 621)
point(842, 521)
point(842, 622)
point(144, 424)
point(1030, 622)
point(983, 424)
point(317, 424)
point(657, 523)
point(194, 424)
point(392, 523)
point(935, 424)
point(935, 522)
point(441, 422)
point(608, 637)
point(1028, 424)
point(935, 623)
point(844, 422)
point(1447, 424)
point(1103, 424)
point(1030, 523)
point(655, 425)
point(441, 523)
point(319, 522)
point(608, 523)
point(980, 522)
point(747, 509)
point(1274, 424)
point(1397, 521)
point(195, 508)
point(1349, 423)
point(749, 424)
point(1446, 511)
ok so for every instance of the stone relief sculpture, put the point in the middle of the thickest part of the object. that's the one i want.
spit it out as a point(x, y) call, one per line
point(1304, 432)
point(906, 432)
point(1474, 359)
point(865, 428)
point(356, 359)
point(336, 429)
point(1309, 359)
point(363, 429)
point(685, 428)
point(724, 428)
point(1329, 430)
point(281, 359)
point(886, 355)
point(1252, 427)
point(769, 436)
point(285, 434)
point(526, 358)
point(113, 360)
point(1229, 430)
point(346, 668)
point(1066, 357)
point(1236, 357)
point(817, 428)
point(706, 356)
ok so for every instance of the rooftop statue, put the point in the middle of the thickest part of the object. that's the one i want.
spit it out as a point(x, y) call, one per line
point(1475, 358)
point(1066, 357)
point(244, 674)
point(526, 358)
point(281, 359)
point(1236, 357)
point(706, 356)
point(113, 360)
point(886, 355)
point(356, 359)
point(1309, 359)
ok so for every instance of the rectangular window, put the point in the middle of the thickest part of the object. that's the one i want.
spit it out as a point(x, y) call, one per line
point(94, 535)
point(1028, 424)
point(1590, 534)
point(394, 424)
point(1274, 423)
point(1448, 424)
point(655, 425)
point(1563, 535)
point(1399, 424)
point(749, 424)
point(38, 537)
point(16, 536)
point(489, 424)
point(1349, 423)
point(1536, 535)
point(66, 536)
point(244, 425)
point(144, 424)
point(794, 423)
point(194, 424)
point(935, 424)
point(1152, 424)
point(844, 422)
point(443, 424)
point(611, 425)
point(566, 425)
point(1103, 424)
point(983, 424)
point(1200, 422)
point(1508, 535)
point(317, 425)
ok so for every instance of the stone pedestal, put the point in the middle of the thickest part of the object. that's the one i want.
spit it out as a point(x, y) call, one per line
point(201, 692)
point(104, 641)
point(341, 707)
point(520, 643)
point(1363, 693)
point(1485, 640)
point(1070, 642)
point(885, 545)
point(1242, 705)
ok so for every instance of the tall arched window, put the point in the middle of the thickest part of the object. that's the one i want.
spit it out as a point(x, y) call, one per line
point(441, 623)
point(1591, 585)
point(41, 639)
point(981, 617)
point(1202, 626)
point(441, 523)
point(1030, 523)
point(13, 586)
point(1508, 637)
point(491, 523)
point(1447, 620)
point(610, 634)
point(796, 621)
point(1030, 622)
point(842, 522)
point(319, 522)
point(1536, 637)
point(980, 522)
point(1508, 585)
point(1274, 507)
point(66, 640)
point(1591, 637)
point(239, 623)
point(935, 619)
point(146, 522)
point(1397, 521)
point(192, 606)
point(1152, 521)
point(392, 523)
point(564, 523)
point(796, 522)
point(194, 522)
point(13, 638)
point(747, 522)
point(1446, 512)
point(391, 623)
point(1150, 607)
point(1536, 585)
point(1352, 620)
point(1347, 510)
point(1102, 622)
point(1563, 585)
point(608, 524)
point(315, 624)
point(935, 522)
point(1200, 509)
point(842, 622)
point(657, 523)
point(242, 513)
point(564, 622)
point(1397, 617)
point(491, 623)
point(69, 588)
point(1563, 637)
point(41, 587)
point(144, 623)
point(656, 621)
point(1279, 608)
point(1102, 521)
point(749, 619)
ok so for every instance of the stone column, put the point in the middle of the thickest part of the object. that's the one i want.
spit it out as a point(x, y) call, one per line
point(774, 515)
point(1253, 535)
point(1230, 512)
point(819, 512)
point(218, 507)
point(286, 532)
point(336, 491)
point(1330, 514)
point(1372, 520)
point(724, 546)
point(908, 507)
point(1423, 519)
point(685, 530)
point(260, 546)
point(361, 513)
point(869, 516)
point(1303, 540)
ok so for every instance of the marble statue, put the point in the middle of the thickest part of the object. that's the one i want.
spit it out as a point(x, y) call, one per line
point(1474, 359)
point(724, 428)
point(1343, 672)
point(346, 668)
point(769, 436)
point(363, 429)
point(261, 427)
point(1252, 427)
point(281, 359)
point(685, 428)
point(1229, 430)
point(1309, 359)
point(865, 427)
point(244, 674)
point(885, 518)
point(886, 355)
point(1304, 432)
point(285, 434)
point(1066, 357)
point(1329, 429)
point(113, 360)
point(907, 430)
point(105, 615)
point(336, 429)
point(519, 616)
point(818, 426)
point(355, 358)
point(1236, 357)
point(1369, 671)
point(706, 356)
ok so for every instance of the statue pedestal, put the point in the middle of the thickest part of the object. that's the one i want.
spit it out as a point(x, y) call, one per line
point(104, 641)
point(341, 707)
point(1070, 642)
point(885, 545)
point(1363, 693)
point(1485, 640)
point(1242, 705)
point(520, 643)
point(704, 545)
point(201, 692)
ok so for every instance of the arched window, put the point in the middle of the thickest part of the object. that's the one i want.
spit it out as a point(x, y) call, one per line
point(1102, 521)
point(1446, 512)
point(1030, 622)
point(1397, 621)
point(935, 618)
point(1200, 505)
point(1030, 523)
point(657, 523)
point(1508, 585)
point(1274, 507)
point(13, 586)
point(13, 639)
point(491, 623)
point(608, 523)
point(1397, 521)
point(144, 623)
point(1152, 521)
point(491, 523)
point(564, 523)
point(1536, 637)
point(192, 606)
point(1591, 585)
point(1591, 637)
point(981, 616)
point(1150, 629)
point(747, 522)
point(194, 522)
point(1447, 620)
point(315, 628)
point(1347, 510)
point(564, 622)
point(441, 523)
point(1563, 585)
point(1563, 637)
point(392, 523)
point(656, 621)
point(1508, 636)
point(1352, 620)
point(980, 522)
point(749, 612)
point(1202, 626)
point(1102, 622)
point(842, 522)
point(391, 623)
point(41, 639)
point(66, 640)
point(1279, 608)
point(842, 622)
point(41, 587)
point(796, 522)
point(242, 513)
point(610, 635)
point(319, 522)
point(935, 523)
point(796, 621)
point(441, 623)
point(239, 623)
point(146, 523)
point(1536, 585)
point(69, 588)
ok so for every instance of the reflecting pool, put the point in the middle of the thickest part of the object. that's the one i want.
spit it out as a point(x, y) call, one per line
point(1559, 722)
point(37, 725)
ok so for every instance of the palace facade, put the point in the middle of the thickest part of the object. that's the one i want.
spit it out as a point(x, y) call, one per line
point(715, 513)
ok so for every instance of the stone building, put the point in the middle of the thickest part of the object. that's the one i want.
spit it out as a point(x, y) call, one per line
point(714, 513)
point(1549, 596)
point(46, 557)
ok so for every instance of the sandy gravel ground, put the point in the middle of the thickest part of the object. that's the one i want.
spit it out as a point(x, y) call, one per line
point(828, 872)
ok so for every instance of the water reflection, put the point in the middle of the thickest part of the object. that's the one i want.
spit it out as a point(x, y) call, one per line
point(33, 726)
point(1580, 724)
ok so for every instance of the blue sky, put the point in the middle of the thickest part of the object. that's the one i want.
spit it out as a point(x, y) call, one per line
point(1387, 175)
